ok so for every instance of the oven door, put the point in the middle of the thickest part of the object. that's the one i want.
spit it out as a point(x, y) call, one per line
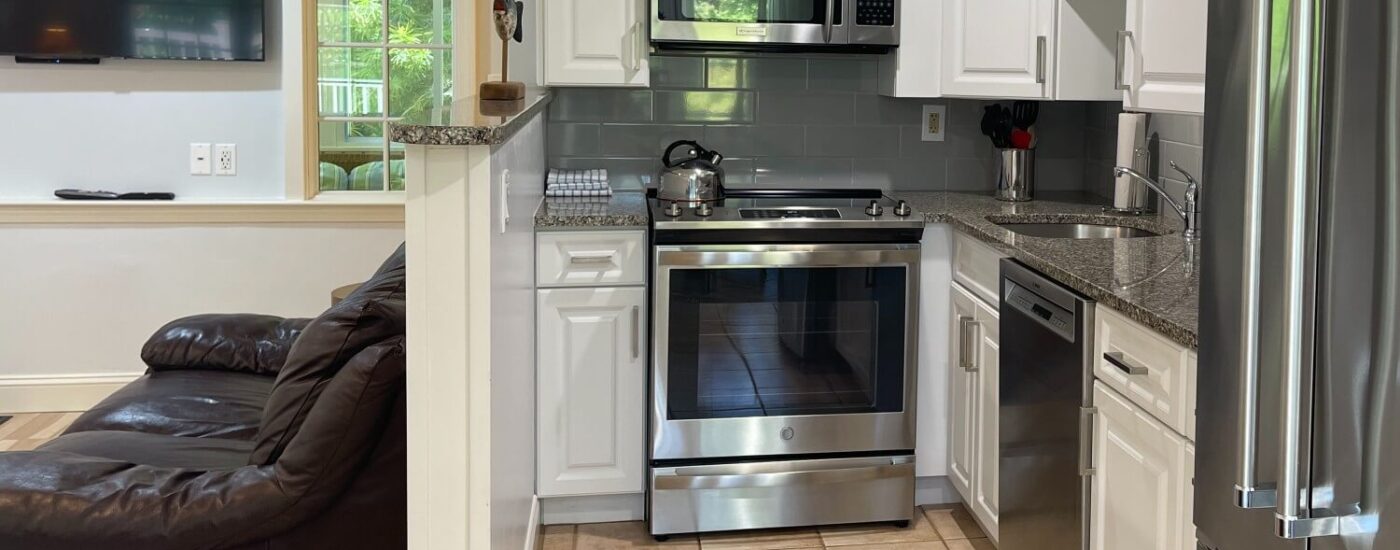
point(750, 21)
point(779, 350)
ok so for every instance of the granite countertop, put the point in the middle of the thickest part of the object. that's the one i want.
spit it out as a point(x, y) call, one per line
point(470, 121)
point(622, 209)
point(1152, 280)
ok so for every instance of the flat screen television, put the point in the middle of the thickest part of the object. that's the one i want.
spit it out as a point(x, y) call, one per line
point(86, 30)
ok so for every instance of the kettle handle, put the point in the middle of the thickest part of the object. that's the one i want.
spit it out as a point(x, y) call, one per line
point(698, 153)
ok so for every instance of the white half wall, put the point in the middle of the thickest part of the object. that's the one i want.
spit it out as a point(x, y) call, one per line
point(80, 301)
point(513, 332)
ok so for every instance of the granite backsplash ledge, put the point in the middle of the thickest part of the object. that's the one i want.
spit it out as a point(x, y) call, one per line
point(796, 120)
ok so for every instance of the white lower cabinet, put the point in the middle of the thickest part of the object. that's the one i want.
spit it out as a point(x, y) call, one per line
point(1141, 489)
point(592, 390)
point(974, 403)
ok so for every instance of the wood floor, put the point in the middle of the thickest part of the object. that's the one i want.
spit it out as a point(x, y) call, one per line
point(26, 431)
point(936, 528)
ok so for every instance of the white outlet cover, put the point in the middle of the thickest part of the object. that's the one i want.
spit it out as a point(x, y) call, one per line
point(934, 123)
point(201, 159)
point(225, 159)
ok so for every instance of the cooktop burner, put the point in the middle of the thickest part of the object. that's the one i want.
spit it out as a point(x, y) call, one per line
point(786, 215)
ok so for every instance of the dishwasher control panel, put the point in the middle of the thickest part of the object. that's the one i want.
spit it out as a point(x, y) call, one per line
point(1054, 317)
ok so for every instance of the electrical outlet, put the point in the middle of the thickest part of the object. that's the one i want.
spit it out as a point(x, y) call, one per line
point(201, 161)
point(935, 120)
point(225, 159)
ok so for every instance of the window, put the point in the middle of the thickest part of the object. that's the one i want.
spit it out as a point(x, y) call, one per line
point(376, 62)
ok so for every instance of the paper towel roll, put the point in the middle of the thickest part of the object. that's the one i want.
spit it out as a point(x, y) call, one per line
point(1132, 134)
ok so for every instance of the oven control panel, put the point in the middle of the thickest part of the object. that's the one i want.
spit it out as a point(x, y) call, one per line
point(783, 213)
point(875, 13)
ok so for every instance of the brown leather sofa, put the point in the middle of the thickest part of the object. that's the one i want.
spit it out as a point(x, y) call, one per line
point(246, 432)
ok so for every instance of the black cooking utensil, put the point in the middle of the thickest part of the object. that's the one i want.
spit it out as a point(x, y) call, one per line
point(1024, 114)
point(990, 114)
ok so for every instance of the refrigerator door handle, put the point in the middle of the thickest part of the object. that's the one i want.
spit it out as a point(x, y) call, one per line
point(1249, 492)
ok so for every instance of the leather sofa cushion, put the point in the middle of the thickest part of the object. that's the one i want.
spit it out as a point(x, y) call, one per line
point(221, 341)
point(188, 403)
point(369, 315)
point(163, 451)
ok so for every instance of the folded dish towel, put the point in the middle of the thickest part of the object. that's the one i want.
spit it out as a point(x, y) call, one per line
point(557, 176)
point(577, 183)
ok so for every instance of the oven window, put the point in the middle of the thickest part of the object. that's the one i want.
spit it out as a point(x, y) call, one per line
point(785, 341)
point(747, 11)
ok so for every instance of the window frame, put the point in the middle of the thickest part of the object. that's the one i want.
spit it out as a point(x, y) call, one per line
point(309, 145)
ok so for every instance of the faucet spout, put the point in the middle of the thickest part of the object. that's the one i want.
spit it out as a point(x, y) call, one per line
point(1190, 211)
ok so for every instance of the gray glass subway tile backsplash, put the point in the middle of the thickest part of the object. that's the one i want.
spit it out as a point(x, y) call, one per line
point(808, 121)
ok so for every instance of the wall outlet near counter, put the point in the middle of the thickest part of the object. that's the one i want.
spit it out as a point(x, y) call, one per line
point(225, 159)
point(934, 121)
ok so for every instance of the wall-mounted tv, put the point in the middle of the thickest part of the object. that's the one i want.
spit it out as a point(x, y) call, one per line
point(84, 30)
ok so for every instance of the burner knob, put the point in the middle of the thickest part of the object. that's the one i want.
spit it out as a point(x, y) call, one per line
point(704, 210)
point(674, 209)
point(903, 209)
point(874, 209)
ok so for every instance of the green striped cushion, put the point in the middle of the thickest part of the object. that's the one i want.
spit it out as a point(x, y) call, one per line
point(370, 176)
point(333, 177)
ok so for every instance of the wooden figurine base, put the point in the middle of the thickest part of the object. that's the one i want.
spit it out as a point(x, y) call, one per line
point(502, 90)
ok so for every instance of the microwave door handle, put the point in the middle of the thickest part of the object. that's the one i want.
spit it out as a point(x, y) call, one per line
point(1249, 492)
point(830, 20)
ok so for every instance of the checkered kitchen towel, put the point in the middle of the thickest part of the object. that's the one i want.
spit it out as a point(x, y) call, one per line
point(577, 183)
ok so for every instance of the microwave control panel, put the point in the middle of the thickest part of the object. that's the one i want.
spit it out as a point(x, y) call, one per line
point(875, 13)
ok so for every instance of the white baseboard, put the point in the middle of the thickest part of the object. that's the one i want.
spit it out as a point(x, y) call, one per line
point(592, 509)
point(71, 392)
point(935, 490)
point(532, 533)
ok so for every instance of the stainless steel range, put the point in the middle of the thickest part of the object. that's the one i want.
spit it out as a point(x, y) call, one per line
point(783, 361)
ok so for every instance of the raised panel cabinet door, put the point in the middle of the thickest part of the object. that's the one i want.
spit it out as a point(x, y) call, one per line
point(1139, 491)
point(592, 391)
point(963, 393)
point(1165, 56)
point(987, 485)
point(595, 43)
point(998, 48)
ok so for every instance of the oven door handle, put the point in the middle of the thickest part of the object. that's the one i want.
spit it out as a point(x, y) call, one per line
point(765, 256)
point(680, 481)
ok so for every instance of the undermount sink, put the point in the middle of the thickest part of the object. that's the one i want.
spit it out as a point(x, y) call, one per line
point(1075, 230)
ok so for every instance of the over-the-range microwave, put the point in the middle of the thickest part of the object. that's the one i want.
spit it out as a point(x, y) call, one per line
point(851, 25)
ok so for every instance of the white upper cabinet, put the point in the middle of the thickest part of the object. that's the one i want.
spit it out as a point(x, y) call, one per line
point(1030, 49)
point(997, 48)
point(1164, 56)
point(595, 43)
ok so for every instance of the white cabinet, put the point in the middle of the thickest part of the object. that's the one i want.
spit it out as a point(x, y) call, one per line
point(974, 403)
point(1164, 56)
point(1029, 49)
point(997, 48)
point(595, 43)
point(592, 391)
point(1141, 487)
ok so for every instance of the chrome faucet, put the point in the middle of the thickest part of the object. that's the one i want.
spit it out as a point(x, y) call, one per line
point(1190, 212)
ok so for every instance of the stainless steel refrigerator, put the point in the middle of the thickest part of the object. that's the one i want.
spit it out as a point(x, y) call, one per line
point(1298, 414)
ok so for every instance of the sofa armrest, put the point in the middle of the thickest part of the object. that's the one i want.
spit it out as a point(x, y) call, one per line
point(256, 344)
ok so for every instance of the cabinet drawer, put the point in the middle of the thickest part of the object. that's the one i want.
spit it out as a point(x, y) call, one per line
point(1153, 371)
point(977, 266)
point(590, 258)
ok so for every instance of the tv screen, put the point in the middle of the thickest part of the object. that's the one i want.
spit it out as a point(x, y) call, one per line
point(138, 29)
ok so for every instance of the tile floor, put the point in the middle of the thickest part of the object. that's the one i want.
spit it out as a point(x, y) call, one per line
point(948, 527)
point(26, 431)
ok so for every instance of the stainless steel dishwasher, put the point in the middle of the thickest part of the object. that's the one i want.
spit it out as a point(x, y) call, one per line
point(1046, 382)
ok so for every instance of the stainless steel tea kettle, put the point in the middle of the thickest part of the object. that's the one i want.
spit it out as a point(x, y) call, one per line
point(695, 178)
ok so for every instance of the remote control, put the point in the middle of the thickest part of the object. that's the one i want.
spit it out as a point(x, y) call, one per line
point(84, 195)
